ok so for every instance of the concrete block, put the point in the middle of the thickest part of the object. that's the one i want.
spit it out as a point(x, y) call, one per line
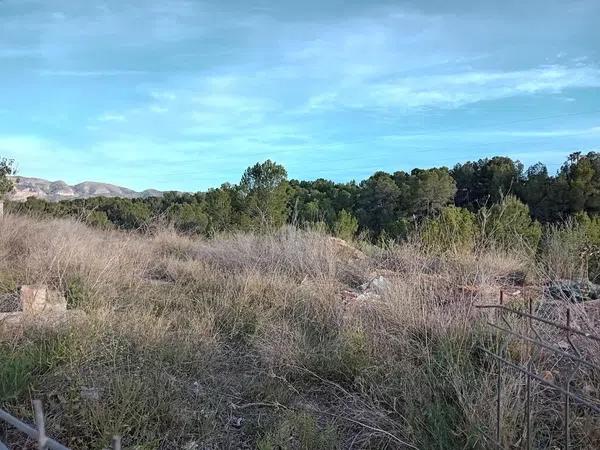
point(40, 299)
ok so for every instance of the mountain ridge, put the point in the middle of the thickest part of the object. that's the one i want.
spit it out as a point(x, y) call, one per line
point(55, 191)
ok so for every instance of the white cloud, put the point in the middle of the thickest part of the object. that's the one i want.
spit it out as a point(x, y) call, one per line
point(457, 89)
point(485, 135)
point(90, 73)
point(108, 117)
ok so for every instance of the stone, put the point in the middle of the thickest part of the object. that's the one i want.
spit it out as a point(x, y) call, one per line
point(345, 251)
point(11, 318)
point(573, 291)
point(40, 299)
point(378, 285)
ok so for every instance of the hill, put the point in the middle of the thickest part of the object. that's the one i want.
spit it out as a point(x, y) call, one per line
point(55, 191)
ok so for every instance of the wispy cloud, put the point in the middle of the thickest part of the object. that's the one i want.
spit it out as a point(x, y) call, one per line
point(91, 73)
point(456, 89)
point(112, 118)
point(465, 134)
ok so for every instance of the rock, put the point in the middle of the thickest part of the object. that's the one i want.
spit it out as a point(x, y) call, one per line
point(10, 302)
point(378, 285)
point(573, 291)
point(236, 422)
point(11, 318)
point(38, 305)
point(40, 299)
point(368, 297)
point(345, 251)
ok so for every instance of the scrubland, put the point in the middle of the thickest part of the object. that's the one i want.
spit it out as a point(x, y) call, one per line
point(259, 341)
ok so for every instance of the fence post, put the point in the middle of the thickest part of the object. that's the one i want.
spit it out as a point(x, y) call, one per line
point(567, 388)
point(40, 425)
point(528, 384)
point(499, 386)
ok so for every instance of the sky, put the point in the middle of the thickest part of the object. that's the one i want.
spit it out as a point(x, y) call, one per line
point(185, 94)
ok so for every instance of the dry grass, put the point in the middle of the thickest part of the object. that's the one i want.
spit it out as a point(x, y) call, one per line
point(244, 341)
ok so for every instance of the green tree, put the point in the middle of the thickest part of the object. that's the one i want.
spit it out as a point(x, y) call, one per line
point(379, 202)
point(486, 181)
point(188, 217)
point(264, 196)
point(430, 190)
point(7, 169)
point(219, 208)
point(581, 173)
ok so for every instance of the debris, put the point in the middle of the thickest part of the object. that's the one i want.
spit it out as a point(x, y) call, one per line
point(39, 304)
point(9, 302)
point(236, 422)
point(368, 297)
point(573, 291)
point(548, 376)
point(90, 393)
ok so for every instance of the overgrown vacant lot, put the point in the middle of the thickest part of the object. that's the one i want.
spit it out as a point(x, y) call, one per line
point(247, 341)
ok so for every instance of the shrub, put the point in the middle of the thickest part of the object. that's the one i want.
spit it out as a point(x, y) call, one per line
point(454, 230)
point(98, 219)
point(77, 292)
point(508, 225)
point(345, 226)
point(299, 431)
point(571, 248)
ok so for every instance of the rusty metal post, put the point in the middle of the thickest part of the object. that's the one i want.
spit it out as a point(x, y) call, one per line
point(528, 382)
point(499, 387)
point(567, 411)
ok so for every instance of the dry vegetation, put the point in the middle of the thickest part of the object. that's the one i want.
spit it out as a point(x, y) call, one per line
point(247, 341)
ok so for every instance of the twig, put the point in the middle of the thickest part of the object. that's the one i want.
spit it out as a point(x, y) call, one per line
point(258, 404)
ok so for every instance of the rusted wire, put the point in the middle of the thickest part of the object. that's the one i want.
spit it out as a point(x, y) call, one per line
point(573, 355)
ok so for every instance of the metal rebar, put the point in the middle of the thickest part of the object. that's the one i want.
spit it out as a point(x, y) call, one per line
point(29, 430)
point(540, 319)
point(575, 397)
point(546, 346)
point(528, 383)
point(499, 386)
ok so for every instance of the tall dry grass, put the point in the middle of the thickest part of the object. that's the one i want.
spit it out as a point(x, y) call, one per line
point(247, 341)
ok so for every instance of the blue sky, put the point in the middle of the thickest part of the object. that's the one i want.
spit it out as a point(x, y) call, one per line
point(185, 94)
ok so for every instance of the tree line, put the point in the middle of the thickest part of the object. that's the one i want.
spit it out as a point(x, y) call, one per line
point(384, 205)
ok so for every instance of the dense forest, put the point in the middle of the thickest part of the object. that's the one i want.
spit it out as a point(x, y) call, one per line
point(386, 205)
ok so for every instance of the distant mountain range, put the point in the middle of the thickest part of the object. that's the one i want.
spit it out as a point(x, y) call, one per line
point(55, 191)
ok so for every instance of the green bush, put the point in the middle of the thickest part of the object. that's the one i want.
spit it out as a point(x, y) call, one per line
point(299, 431)
point(188, 217)
point(98, 219)
point(508, 225)
point(345, 226)
point(570, 250)
point(77, 292)
point(454, 229)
